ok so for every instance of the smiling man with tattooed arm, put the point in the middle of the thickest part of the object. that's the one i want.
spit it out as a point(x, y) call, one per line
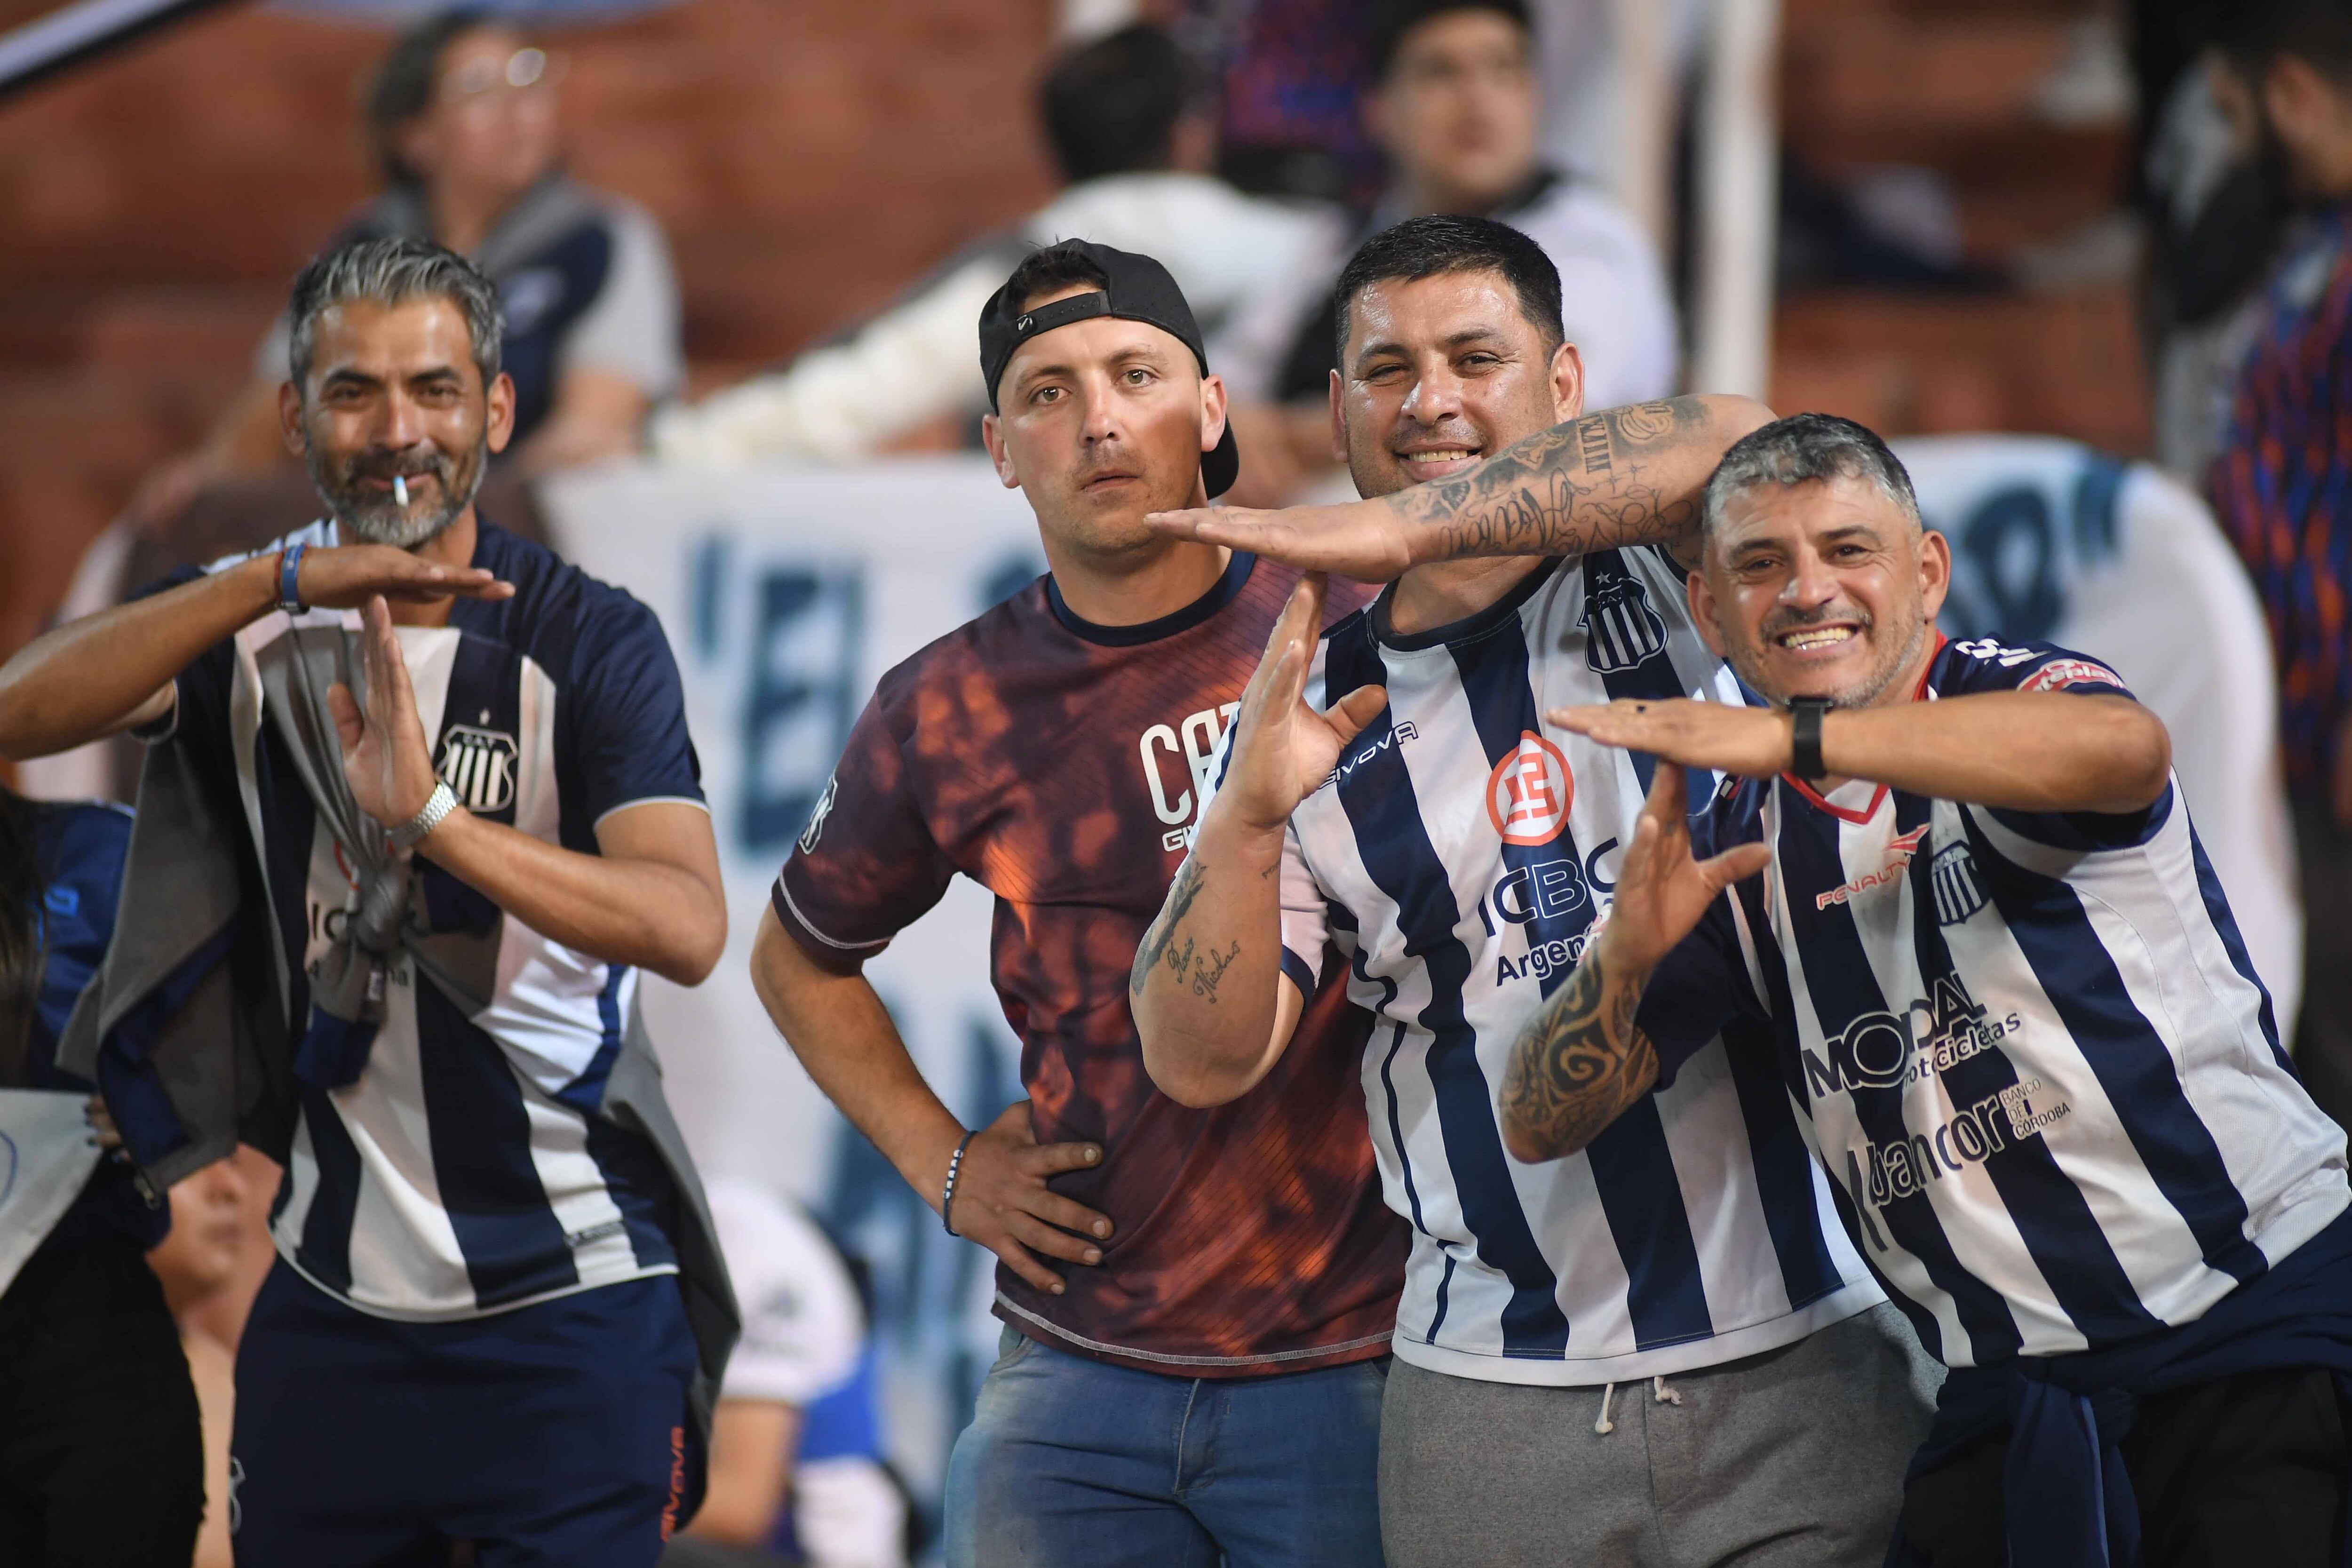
point(2003, 987)
point(1456, 852)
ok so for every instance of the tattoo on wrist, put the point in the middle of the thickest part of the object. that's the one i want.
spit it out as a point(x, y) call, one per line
point(1568, 490)
point(1580, 1063)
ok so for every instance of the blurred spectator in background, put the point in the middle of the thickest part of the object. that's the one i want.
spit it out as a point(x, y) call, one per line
point(2220, 213)
point(1456, 108)
point(1133, 130)
point(797, 1473)
point(463, 115)
point(2283, 485)
point(1293, 75)
point(199, 1264)
point(101, 1452)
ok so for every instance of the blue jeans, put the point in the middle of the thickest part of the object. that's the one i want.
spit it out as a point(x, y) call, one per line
point(1071, 1462)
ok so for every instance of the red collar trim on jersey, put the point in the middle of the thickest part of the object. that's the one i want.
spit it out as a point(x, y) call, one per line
point(1858, 817)
point(1840, 813)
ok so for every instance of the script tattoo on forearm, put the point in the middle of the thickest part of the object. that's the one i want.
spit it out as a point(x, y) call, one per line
point(1212, 971)
point(1574, 488)
point(1579, 1063)
point(1161, 937)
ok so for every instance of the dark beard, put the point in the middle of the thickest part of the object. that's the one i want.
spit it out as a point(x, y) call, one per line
point(360, 516)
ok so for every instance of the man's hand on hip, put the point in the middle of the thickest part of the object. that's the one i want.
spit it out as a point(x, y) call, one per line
point(1002, 1201)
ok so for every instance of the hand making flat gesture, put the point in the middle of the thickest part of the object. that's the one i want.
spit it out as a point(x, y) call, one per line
point(1284, 748)
point(386, 759)
point(1661, 890)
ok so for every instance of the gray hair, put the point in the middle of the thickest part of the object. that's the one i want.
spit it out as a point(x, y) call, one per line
point(393, 272)
point(1801, 449)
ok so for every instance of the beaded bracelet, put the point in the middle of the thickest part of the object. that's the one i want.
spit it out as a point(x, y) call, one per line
point(947, 1196)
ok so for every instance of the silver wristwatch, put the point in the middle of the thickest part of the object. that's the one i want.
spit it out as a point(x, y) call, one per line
point(435, 809)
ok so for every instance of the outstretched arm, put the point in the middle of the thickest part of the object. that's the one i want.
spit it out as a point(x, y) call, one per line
point(111, 670)
point(1620, 477)
point(1583, 1059)
point(1212, 1003)
point(2017, 751)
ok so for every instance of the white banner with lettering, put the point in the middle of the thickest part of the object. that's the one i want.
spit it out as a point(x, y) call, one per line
point(786, 593)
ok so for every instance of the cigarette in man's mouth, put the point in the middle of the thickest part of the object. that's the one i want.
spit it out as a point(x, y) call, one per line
point(400, 489)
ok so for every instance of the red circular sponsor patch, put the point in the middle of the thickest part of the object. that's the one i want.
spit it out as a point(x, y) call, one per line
point(1530, 791)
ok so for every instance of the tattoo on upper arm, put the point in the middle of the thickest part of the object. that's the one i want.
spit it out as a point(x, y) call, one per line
point(1579, 1063)
point(1162, 934)
point(1571, 489)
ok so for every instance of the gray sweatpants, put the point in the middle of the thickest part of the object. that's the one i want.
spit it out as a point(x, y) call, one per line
point(1793, 1459)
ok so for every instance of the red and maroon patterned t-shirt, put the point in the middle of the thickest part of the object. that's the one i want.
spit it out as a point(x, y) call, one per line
point(1059, 763)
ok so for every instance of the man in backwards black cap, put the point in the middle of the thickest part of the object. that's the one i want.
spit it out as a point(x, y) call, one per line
point(1158, 1263)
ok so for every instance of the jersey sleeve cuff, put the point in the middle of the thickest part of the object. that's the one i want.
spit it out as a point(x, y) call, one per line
point(1302, 973)
point(827, 953)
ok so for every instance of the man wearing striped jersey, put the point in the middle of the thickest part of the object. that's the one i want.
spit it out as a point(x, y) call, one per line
point(1991, 966)
point(1458, 854)
point(454, 861)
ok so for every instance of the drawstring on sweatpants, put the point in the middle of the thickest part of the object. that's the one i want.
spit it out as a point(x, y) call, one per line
point(1661, 1393)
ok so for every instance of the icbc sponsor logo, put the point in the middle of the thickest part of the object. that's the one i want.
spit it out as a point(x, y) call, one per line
point(1529, 791)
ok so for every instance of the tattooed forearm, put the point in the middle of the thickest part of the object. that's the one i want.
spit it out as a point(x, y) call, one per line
point(1576, 1065)
point(1211, 971)
point(1162, 934)
point(1625, 475)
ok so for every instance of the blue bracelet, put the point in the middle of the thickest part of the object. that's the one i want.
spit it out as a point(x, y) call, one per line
point(289, 564)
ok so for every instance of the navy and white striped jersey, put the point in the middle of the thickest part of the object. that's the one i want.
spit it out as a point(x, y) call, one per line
point(464, 1171)
point(1458, 856)
point(2028, 1047)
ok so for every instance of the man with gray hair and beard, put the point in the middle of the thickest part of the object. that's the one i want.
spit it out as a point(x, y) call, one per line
point(465, 814)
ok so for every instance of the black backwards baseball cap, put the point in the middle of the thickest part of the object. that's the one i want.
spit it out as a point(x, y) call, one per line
point(1140, 291)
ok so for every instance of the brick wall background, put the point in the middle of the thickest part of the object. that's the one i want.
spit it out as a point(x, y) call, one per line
point(810, 159)
point(813, 157)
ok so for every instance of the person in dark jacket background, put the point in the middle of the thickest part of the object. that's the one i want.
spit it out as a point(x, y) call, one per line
point(101, 1448)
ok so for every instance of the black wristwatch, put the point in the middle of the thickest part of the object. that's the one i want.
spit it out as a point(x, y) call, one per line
point(1805, 744)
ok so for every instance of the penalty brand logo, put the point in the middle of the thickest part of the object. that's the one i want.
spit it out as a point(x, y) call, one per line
point(478, 767)
point(1899, 855)
point(1530, 791)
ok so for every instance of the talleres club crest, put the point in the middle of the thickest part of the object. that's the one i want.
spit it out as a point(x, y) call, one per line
point(478, 767)
point(1621, 630)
